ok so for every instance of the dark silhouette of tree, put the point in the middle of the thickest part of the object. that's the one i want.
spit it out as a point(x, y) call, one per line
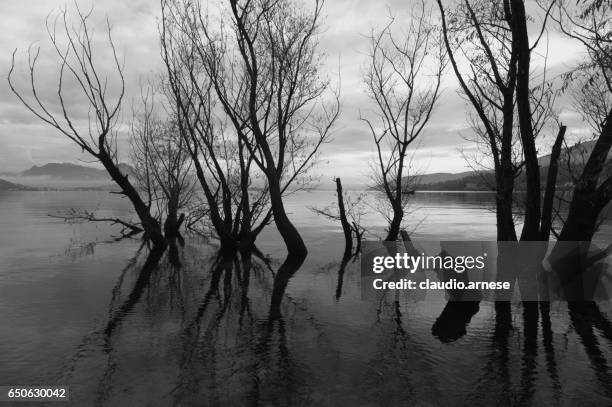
point(402, 77)
point(238, 208)
point(162, 165)
point(74, 49)
point(348, 211)
point(520, 43)
point(346, 226)
point(263, 68)
point(483, 39)
point(593, 98)
point(492, 38)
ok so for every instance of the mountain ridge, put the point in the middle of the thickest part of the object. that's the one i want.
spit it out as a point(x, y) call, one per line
point(483, 180)
point(69, 171)
point(11, 186)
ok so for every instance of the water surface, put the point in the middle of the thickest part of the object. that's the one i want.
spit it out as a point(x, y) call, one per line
point(241, 331)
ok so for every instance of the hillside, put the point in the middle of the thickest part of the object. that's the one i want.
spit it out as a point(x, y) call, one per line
point(68, 171)
point(438, 177)
point(9, 186)
point(65, 171)
point(473, 181)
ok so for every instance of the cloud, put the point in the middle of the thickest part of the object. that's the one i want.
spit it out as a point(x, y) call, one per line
point(25, 141)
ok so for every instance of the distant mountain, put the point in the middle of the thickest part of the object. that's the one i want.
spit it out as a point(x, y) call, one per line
point(9, 186)
point(482, 181)
point(67, 171)
point(578, 153)
point(427, 179)
point(469, 181)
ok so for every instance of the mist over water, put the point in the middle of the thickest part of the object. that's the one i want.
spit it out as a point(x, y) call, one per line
point(236, 332)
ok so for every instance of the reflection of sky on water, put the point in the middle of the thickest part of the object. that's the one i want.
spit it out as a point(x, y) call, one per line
point(184, 343)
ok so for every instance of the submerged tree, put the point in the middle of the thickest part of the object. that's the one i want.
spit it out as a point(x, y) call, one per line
point(490, 88)
point(97, 135)
point(347, 210)
point(592, 84)
point(402, 77)
point(162, 166)
point(263, 69)
point(238, 208)
point(510, 112)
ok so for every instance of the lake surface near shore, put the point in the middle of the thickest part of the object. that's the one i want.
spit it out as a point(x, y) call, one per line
point(216, 332)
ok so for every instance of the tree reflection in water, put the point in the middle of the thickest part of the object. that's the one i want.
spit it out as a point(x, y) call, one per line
point(227, 329)
point(519, 386)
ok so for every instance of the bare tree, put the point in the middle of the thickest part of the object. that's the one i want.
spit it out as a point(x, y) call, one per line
point(163, 165)
point(520, 42)
point(237, 207)
point(264, 70)
point(348, 211)
point(480, 34)
point(492, 38)
point(403, 78)
point(592, 83)
point(74, 49)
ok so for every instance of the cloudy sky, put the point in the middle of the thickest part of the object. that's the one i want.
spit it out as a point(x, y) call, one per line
point(25, 141)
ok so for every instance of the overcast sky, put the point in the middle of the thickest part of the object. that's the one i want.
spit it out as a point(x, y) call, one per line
point(25, 141)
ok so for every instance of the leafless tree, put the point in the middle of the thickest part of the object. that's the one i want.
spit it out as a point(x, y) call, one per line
point(492, 38)
point(592, 84)
point(347, 210)
point(163, 165)
point(263, 69)
point(402, 77)
point(235, 192)
point(480, 34)
point(521, 43)
point(74, 49)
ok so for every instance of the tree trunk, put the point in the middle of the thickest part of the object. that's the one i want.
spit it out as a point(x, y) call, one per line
point(581, 221)
point(520, 38)
point(551, 186)
point(396, 223)
point(588, 200)
point(171, 224)
point(505, 221)
point(504, 172)
point(225, 236)
point(246, 239)
point(503, 201)
point(346, 226)
point(293, 241)
point(150, 225)
point(358, 233)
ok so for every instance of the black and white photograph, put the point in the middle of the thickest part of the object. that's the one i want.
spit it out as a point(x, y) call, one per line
point(306, 203)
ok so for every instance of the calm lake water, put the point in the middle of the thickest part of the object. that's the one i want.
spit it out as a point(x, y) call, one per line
point(237, 332)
